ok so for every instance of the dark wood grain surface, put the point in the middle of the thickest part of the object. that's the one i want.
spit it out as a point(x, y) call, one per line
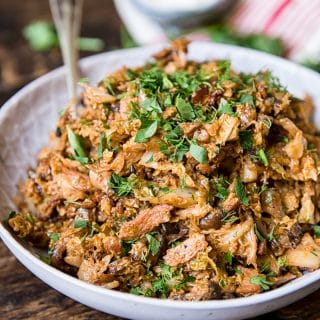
point(22, 295)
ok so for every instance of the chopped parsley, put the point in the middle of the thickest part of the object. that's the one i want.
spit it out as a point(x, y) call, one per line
point(228, 258)
point(230, 217)
point(126, 246)
point(265, 267)
point(150, 159)
point(80, 224)
point(29, 217)
point(247, 98)
point(151, 104)
point(183, 283)
point(102, 145)
point(160, 284)
point(261, 155)
point(283, 262)
point(120, 185)
point(199, 153)
point(241, 192)
point(54, 236)
point(77, 144)
point(153, 244)
point(221, 188)
point(316, 230)
point(262, 282)
point(139, 292)
point(184, 109)
point(246, 139)
point(146, 131)
point(225, 107)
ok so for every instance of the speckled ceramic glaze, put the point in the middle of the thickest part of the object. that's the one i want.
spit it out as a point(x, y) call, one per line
point(28, 117)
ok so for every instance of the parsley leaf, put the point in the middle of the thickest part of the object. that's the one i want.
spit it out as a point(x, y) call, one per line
point(80, 224)
point(151, 104)
point(102, 145)
point(159, 285)
point(225, 107)
point(54, 236)
point(246, 139)
point(283, 261)
point(230, 217)
point(76, 143)
point(228, 258)
point(120, 185)
point(262, 157)
point(316, 230)
point(262, 282)
point(199, 153)
point(241, 192)
point(184, 109)
point(126, 246)
point(221, 187)
point(247, 98)
point(154, 244)
point(139, 292)
point(183, 283)
point(144, 134)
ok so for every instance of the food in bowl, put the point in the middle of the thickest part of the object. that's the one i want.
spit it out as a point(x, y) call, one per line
point(179, 179)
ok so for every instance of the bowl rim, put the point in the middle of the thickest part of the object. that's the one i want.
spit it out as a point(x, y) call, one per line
point(15, 245)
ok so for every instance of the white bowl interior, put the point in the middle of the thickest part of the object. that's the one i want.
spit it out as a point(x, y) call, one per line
point(28, 117)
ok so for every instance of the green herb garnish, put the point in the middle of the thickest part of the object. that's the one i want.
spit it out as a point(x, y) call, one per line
point(221, 187)
point(225, 107)
point(77, 144)
point(80, 224)
point(147, 132)
point(184, 109)
point(54, 236)
point(184, 282)
point(120, 185)
point(316, 230)
point(247, 98)
point(246, 139)
point(283, 262)
point(228, 258)
point(262, 157)
point(154, 244)
point(262, 282)
point(230, 217)
point(199, 153)
point(241, 192)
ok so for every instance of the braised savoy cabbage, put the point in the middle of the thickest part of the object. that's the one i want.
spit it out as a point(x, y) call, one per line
point(179, 179)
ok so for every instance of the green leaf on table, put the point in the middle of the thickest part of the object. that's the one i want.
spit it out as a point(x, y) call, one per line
point(41, 35)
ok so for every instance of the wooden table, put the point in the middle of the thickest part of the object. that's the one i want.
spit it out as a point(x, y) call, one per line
point(23, 296)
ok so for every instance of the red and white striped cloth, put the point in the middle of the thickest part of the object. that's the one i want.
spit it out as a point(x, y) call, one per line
point(296, 22)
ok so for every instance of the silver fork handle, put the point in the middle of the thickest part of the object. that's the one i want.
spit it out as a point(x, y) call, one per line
point(67, 16)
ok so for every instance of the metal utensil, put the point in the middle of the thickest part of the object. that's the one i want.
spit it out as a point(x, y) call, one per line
point(67, 16)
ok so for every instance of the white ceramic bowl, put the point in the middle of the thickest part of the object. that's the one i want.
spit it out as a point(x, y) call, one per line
point(28, 117)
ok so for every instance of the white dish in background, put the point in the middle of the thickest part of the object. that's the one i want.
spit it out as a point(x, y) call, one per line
point(28, 117)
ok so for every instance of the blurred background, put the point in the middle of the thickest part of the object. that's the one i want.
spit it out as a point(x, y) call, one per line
point(29, 43)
